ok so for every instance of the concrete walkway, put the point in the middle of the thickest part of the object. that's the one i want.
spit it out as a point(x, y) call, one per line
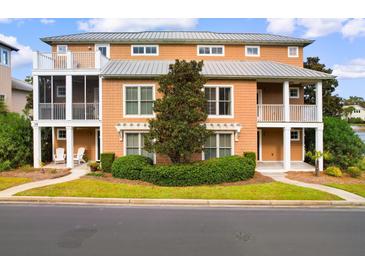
point(76, 173)
point(347, 196)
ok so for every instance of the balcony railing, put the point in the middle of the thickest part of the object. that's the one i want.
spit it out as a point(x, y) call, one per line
point(80, 111)
point(297, 113)
point(69, 60)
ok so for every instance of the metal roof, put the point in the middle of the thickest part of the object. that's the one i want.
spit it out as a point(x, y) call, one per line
point(2, 43)
point(213, 69)
point(21, 85)
point(176, 37)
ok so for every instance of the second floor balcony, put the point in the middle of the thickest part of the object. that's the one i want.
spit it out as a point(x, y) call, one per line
point(297, 113)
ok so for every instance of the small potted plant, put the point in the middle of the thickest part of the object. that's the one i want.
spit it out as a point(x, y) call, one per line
point(94, 166)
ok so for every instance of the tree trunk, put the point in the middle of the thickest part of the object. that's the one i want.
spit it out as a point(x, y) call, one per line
point(317, 168)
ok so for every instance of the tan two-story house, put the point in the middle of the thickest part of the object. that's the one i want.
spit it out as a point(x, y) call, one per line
point(96, 90)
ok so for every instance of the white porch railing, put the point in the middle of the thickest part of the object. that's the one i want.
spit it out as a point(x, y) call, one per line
point(55, 111)
point(80, 111)
point(275, 113)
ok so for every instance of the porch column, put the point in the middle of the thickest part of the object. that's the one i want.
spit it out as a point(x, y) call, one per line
point(319, 144)
point(35, 98)
point(286, 101)
point(68, 97)
point(70, 146)
point(37, 148)
point(286, 148)
point(319, 100)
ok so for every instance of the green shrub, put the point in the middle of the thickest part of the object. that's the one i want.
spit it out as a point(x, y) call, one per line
point(94, 166)
point(251, 155)
point(95, 174)
point(361, 164)
point(213, 171)
point(356, 120)
point(129, 167)
point(333, 171)
point(5, 165)
point(106, 161)
point(354, 171)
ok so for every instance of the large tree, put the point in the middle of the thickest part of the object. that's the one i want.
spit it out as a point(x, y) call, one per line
point(355, 100)
point(332, 103)
point(178, 130)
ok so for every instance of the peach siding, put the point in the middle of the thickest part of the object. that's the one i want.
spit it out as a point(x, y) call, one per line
point(5, 84)
point(272, 93)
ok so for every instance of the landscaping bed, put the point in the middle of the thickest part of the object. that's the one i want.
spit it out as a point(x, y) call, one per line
point(309, 177)
point(35, 174)
point(99, 188)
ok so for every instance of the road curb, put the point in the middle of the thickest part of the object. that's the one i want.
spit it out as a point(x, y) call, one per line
point(177, 202)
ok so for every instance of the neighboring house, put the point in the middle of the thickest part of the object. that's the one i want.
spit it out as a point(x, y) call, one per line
point(20, 91)
point(97, 89)
point(359, 112)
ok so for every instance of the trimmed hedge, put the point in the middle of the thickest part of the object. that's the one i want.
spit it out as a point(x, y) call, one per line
point(251, 155)
point(213, 171)
point(354, 171)
point(130, 167)
point(106, 161)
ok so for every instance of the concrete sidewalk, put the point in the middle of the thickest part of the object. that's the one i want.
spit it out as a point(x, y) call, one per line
point(76, 173)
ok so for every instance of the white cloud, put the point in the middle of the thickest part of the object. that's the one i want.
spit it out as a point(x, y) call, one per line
point(23, 56)
point(109, 24)
point(281, 25)
point(354, 69)
point(320, 27)
point(46, 21)
point(5, 20)
point(353, 28)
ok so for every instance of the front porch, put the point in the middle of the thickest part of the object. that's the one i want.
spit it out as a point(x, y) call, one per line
point(278, 166)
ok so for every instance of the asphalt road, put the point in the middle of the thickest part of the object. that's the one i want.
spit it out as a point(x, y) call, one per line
point(102, 230)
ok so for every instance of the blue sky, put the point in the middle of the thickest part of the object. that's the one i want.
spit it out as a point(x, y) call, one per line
point(340, 43)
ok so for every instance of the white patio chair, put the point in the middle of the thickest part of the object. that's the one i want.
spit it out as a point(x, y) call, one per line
point(80, 155)
point(60, 156)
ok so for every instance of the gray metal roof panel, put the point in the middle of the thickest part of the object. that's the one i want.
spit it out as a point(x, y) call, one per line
point(21, 85)
point(8, 46)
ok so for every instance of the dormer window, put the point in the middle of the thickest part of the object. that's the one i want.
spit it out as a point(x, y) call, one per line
point(210, 50)
point(62, 49)
point(293, 52)
point(146, 50)
point(252, 51)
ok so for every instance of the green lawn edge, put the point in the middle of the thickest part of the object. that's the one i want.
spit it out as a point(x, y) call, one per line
point(358, 189)
point(8, 182)
point(97, 188)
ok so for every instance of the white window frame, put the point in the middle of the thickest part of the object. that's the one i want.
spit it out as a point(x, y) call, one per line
point(298, 93)
point(145, 54)
point(62, 53)
point(210, 49)
point(298, 135)
point(58, 92)
point(58, 134)
point(217, 142)
point(139, 100)
point(4, 96)
point(217, 101)
point(252, 55)
point(2, 61)
point(107, 46)
point(293, 56)
point(139, 143)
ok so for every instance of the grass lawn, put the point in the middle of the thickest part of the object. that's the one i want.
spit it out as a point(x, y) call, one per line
point(358, 189)
point(99, 188)
point(6, 182)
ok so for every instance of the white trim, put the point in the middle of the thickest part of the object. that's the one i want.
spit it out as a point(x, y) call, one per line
point(96, 144)
point(61, 53)
point(252, 55)
point(145, 54)
point(210, 50)
point(293, 56)
point(66, 123)
point(298, 134)
point(139, 100)
point(58, 134)
point(298, 93)
point(139, 143)
point(295, 125)
point(217, 100)
point(259, 96)
point(217, 133)
point(103, 45)
point(8, 54)
point(58, 92)
point(260, 144)
point(63, 72)
point(303, 144)
point(53, 143)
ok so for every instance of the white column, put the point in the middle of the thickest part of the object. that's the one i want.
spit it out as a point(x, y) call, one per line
point(70, 146)
point(69, 60)
point(287, 148)
point(35, 59)
point(68, 97)
point(37, 148)
point(35, 98)
point(100, 97)
point(319, 144)
point(97, 59)
point(286, 101)
point(319, 101)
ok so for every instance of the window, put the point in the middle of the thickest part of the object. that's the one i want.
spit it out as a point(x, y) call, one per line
point(61, 134)
point(4, 59)
point(295, 135)
point(293, 51)
point(62, 49)
point(145, 50)
point(2, 97)
point(139, 100)
point(103, 48)
point(219, 100)
point(218, 145)
point(61, 91)
point(210, 50)
point(253, 51)
point(294, 93)
point(134, 145)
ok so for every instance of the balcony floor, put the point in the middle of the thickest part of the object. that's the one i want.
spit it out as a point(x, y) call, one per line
point(278, 166)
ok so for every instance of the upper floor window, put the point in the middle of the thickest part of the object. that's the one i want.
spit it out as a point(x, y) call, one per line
point(210, 50)
point(104, 49)
point(219, 100)
point(151, 50)
point(253, 51)
point(62, 49)
point(293, 51)
point(138, 100)
point(294, 93)
point(4, 56)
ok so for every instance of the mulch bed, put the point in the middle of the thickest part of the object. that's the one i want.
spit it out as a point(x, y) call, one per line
point(36, 174)
point(309, 177)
